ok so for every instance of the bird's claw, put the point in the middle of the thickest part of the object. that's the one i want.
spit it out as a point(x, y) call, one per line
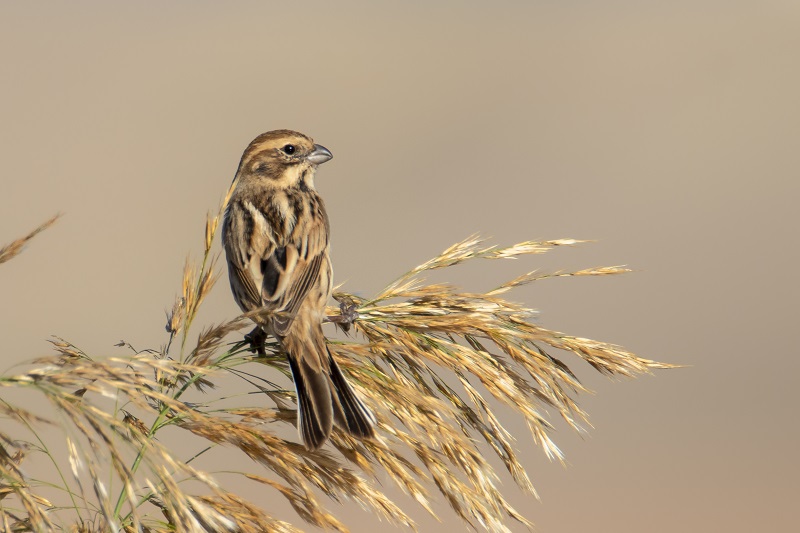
point(349, 312)
point(348, 315)
point(257, 339)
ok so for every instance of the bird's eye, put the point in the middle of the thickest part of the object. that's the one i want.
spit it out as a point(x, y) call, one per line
point(289, 149)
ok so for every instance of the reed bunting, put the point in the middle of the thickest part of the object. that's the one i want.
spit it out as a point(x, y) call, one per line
point(276, 240)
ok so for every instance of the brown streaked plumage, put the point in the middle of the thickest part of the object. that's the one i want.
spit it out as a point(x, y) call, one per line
point(275, 236)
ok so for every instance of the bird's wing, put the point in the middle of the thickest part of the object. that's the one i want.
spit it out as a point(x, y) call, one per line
point(272, 276)
point(291, 282)
point(237, 231)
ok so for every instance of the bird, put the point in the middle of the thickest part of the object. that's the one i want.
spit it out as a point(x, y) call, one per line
point(276, 237)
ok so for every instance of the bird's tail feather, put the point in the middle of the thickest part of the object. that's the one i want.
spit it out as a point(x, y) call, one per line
point(348, 410)
point(325, 396)
point(314, 402)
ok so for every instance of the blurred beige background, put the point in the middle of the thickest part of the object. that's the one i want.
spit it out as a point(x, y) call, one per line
point(667, 131)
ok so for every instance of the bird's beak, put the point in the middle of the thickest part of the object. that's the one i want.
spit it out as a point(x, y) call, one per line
point(319, 155)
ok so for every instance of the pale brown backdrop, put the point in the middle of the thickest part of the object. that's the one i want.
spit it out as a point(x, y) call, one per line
point(667, 131)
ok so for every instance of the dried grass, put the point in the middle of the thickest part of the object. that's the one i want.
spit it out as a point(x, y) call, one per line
point(14, 248)
point(434, 364)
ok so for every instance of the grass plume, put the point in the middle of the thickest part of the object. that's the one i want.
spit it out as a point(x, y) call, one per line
point(15, 247)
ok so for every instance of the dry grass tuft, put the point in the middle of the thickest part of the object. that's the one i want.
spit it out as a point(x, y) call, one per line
point(435, 362)
point(13, 249)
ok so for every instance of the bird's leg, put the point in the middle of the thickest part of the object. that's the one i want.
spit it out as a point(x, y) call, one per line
point(257, 339)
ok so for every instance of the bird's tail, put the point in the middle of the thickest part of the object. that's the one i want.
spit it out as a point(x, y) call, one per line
point(324, 395)
point(349, 411)
point(314, 402)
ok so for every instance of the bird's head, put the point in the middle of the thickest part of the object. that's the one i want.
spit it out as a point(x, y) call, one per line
point(283, 158)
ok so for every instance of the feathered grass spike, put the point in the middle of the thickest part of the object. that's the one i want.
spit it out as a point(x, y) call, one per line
point(188, 285)
point(13, 249)
point(531, 247)
point(535, 275)
point(175, 316)
point(13, 482)
point(211, 339)
point(469, 248)
point(211, 230)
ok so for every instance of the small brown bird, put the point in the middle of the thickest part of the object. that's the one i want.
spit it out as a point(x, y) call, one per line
point(275, 236)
